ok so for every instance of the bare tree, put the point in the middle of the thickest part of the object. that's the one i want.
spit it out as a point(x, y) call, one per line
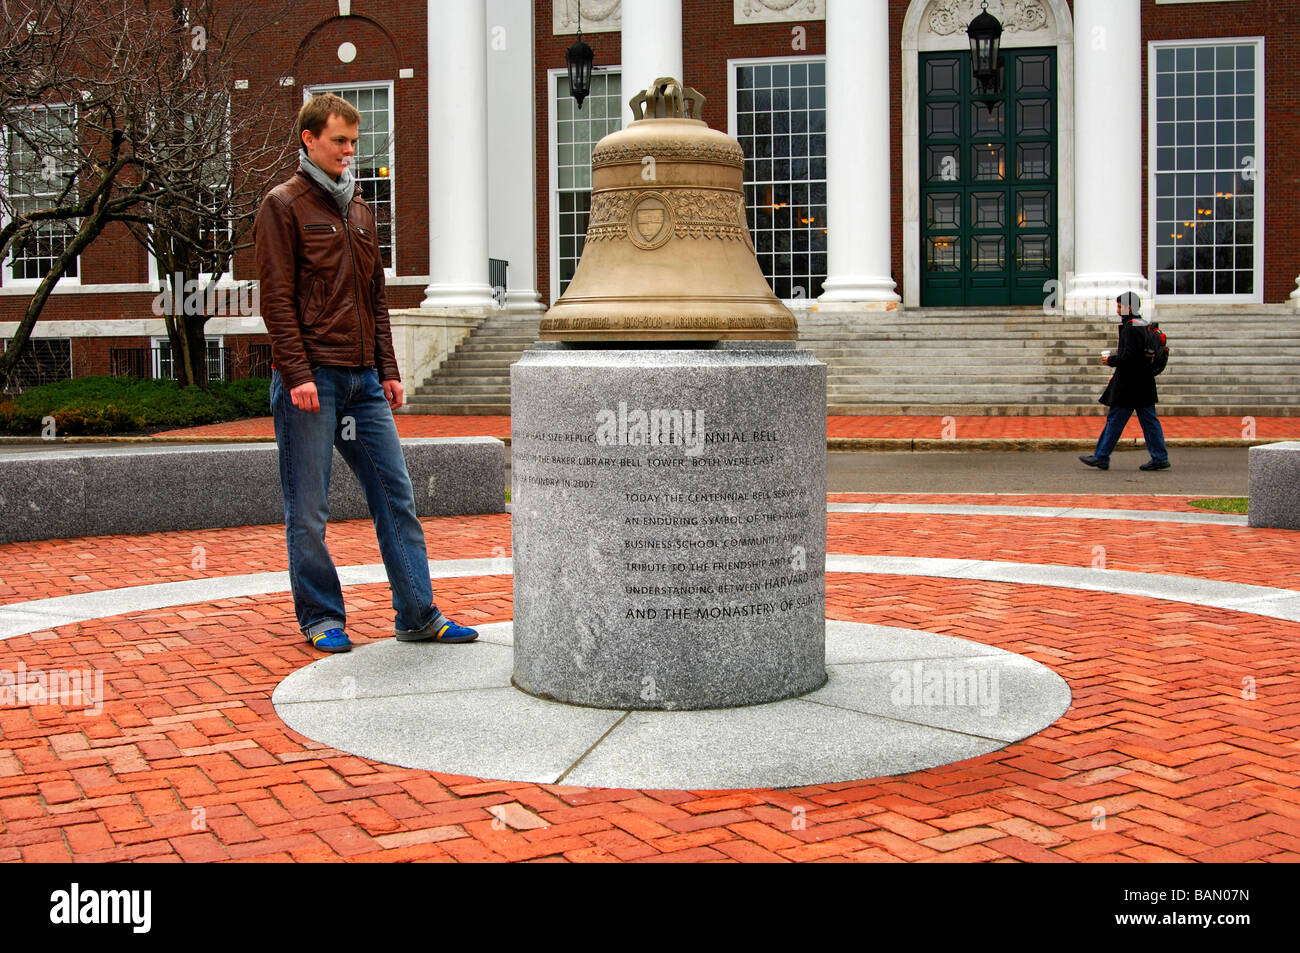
point(65, 172)
point(128, 111)
point(209, 154)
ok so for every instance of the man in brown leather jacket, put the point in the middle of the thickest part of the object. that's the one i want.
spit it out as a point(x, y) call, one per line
point(335, 381)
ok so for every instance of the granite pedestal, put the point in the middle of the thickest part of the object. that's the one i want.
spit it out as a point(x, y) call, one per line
point(1275, 485)
point(669, 524)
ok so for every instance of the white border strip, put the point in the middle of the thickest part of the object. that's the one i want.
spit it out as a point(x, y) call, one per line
point(24, 617)
point(1041, 512)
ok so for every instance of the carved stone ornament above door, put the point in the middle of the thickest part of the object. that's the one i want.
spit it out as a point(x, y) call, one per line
point(598, 16)
point(945, 17)
point(778, 11)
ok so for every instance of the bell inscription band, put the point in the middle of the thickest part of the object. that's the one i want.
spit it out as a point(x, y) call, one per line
point(668, 447)
point(670, 185)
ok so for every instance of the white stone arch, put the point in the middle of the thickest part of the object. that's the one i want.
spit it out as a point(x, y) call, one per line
point(917, 37)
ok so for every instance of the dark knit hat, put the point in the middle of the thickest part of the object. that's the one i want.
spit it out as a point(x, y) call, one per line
point(1130, 300)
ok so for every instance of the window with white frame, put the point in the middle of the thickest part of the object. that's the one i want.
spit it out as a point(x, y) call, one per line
point(214, 196)
point(1207, 141)
point(779, 118)
point(576, 131)
point(215, 227)
point(372, 166)
point(164, 362)
point(41, 144)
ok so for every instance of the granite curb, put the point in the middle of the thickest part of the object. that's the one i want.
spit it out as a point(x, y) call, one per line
point(142, 439)
point(982, 444)
point(833, 444)
point(92, 491)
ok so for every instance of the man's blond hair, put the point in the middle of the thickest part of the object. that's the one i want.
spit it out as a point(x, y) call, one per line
point(316, 112)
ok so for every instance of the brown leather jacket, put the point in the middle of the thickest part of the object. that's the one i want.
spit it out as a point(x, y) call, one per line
point(322, 284)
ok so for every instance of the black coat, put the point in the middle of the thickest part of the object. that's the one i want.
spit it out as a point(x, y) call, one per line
point(1132, 384)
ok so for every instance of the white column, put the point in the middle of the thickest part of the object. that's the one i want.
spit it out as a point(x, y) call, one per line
point(857, 156)
point(1295, 295)
point(512, 162)
point(458, 155)
point(1107, 155)
point(652, 46)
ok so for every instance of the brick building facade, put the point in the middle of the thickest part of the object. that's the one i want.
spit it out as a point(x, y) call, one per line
point(1179, 178)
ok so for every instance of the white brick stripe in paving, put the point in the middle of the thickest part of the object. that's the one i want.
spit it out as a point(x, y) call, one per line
point(1040, 512)
point(38, 614)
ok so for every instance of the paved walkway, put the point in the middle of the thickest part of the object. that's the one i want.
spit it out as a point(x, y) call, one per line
point(1182, 740)
point(882, 427)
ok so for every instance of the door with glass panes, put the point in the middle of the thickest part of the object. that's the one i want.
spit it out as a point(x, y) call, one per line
point(988, 181)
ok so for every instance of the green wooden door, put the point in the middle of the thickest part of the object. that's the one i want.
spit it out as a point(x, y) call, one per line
point(988, 181)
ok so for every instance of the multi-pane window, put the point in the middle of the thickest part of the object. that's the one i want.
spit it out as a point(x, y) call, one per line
point(1208, 131)
point(204, 215)
point(164, 362)
point(372, 166)
point(43, 361)
point(41, 142)
point(212, 134)
point(781, 126)
point(576, 132)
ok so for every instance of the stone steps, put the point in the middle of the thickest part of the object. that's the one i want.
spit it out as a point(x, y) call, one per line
point(1007, 361)
point(475, 379)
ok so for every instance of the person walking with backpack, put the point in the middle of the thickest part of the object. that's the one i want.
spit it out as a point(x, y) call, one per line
point(1132, 389)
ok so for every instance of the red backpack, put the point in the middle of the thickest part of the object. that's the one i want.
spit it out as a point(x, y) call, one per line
point(1156, 347)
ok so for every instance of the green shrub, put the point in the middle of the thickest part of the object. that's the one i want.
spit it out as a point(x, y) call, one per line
point(107, 405)
point(93, 419)
point(15, 419)
point(1224, 504)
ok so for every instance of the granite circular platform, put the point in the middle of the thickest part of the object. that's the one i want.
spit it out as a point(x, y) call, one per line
point(896, 701)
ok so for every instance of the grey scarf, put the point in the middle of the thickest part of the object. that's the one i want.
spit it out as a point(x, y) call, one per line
point(341, 191)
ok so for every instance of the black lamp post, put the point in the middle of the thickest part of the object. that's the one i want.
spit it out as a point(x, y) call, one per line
point(579, 57)
point(985, 34)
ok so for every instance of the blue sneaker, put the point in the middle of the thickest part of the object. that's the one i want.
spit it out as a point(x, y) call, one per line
point(441, 629)
point(331, 640)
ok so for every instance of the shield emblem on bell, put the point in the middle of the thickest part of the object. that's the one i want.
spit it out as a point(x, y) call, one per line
point(649, 221)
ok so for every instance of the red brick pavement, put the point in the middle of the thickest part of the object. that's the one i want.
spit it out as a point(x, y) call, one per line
point(1181, 742)
point(903, 426)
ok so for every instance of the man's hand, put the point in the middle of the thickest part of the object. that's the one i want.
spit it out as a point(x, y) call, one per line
point(393, 391)
point(304, 397)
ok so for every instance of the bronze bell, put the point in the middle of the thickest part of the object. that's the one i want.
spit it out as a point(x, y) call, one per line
point(668, 255)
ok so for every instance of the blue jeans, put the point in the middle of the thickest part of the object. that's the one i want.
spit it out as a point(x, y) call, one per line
point(354, 416)
point(1118, 418)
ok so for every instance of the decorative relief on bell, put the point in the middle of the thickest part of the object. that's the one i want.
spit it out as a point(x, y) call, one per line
point(648, 219)
point(711, 214)
point(650, 222)
point(668, 150)
point(709, 322)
